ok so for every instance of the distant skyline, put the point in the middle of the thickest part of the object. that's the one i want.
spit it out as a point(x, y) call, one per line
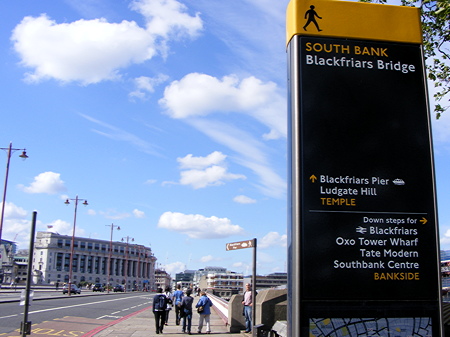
point(169, 117)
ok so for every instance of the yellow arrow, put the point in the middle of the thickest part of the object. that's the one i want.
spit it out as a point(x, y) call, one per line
point(423, 221)
point(313, 178)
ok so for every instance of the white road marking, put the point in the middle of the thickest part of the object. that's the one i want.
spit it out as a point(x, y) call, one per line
point(69, 306)
point(108, 316)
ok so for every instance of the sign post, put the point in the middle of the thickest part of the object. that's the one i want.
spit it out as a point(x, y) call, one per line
point(25, 325)
point(242, 245)
point(364, 252)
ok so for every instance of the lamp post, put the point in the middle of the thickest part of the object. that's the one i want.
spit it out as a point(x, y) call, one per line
point(126, 261)
point(9, 151)
point(140, 267)
point(110, 254)
point(72, 244)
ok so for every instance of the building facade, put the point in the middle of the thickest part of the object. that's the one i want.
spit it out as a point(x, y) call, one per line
point(162, 279)
point(270, 281)
point(8, 269)
point(223, 284)
point(130, 265)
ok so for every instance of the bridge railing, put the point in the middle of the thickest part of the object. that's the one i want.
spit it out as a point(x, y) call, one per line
point(221, 307)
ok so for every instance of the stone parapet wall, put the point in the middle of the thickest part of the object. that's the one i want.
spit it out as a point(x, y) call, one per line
point(271, 306)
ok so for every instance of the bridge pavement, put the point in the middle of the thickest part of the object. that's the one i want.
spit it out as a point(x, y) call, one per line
point(142, 324)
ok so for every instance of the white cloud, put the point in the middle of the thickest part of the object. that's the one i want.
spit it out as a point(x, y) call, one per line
point(47, 182)
point(200, 95)
point(211, 176)
point(242, 199)
point(197, 226)
point(138, 214)
point(90, 51)
point(205, 171)
point(168, 17)
point(272, 239)
point(197, 96)
point(61, 227)
point(191, 162)
point(16, 225)
point(14, 212)
point(87, 51)
point(175, 267)
point(145, 85)
point(250, 153)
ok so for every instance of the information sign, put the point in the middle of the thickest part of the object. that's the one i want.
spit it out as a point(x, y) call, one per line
point(239, 245)
point(364, 239)
point(366, 171)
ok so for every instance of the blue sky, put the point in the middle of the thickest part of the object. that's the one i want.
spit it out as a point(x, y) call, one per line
point(169, 117)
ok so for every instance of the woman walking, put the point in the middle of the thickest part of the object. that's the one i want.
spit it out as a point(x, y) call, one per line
point(168, 293)
point(203, 308)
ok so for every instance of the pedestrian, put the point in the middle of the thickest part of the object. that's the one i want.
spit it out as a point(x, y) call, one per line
point(186, 309)
point(57, 285)
point(203, 306)
point(177, 297)
point(159, 310)
point(168, 292)
point(248, 304)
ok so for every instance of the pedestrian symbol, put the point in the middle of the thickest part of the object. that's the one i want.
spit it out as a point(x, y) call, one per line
point(311, 15)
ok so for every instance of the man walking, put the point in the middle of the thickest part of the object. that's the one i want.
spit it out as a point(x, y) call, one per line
point(177, 298)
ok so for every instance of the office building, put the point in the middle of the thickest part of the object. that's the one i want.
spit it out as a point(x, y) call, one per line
point(131, 265)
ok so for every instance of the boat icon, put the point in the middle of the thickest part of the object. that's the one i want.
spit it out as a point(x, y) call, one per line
point(398, 181)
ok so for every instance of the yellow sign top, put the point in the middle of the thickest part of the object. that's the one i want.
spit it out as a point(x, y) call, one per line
point(353, 20)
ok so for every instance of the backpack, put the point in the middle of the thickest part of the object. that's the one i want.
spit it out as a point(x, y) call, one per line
point(159, 302)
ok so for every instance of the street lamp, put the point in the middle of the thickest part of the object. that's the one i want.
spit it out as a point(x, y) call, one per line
point(126, 261)
point(110, 253)
point(9, 151)
point(72, 244)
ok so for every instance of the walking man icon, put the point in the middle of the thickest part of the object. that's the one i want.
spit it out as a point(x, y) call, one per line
point(311, 15)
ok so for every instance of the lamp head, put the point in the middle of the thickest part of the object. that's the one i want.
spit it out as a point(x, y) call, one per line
point(24, 154)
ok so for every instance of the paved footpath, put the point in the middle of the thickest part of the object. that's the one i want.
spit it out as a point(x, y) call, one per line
point(142, 324)
point(138, 324)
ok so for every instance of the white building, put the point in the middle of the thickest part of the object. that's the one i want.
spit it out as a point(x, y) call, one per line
point(222, 282)
point(130, 264)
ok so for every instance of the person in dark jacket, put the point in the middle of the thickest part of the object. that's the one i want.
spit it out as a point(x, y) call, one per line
point(159, 310)
point(186, 307)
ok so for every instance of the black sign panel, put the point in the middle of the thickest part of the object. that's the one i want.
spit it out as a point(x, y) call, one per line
point(368, 224)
